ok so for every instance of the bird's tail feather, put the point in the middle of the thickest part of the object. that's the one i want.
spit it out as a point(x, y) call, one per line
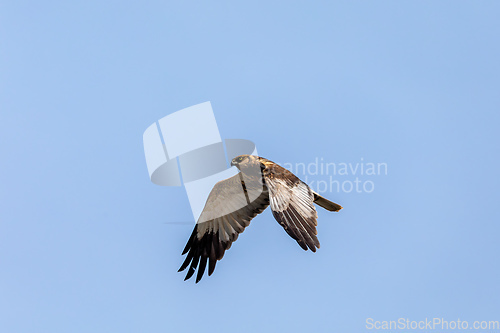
point(326, 204)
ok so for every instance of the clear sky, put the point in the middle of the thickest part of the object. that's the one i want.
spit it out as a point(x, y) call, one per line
point(86, 240)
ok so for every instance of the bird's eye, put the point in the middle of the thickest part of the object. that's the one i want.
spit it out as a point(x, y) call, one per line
point(239, 159)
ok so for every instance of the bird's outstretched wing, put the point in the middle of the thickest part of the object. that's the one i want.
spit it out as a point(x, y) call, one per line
point(230, 207)
point(292, 206)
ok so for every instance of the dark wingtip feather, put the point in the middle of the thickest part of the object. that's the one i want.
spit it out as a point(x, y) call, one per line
point(190, 240)
point(201, 268)
point(211, 266)
point(186, 262)
point(302, 245)
point(192, 268)
point(212, 258)
point(189, 273)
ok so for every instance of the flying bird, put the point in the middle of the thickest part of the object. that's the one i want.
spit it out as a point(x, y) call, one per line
point(235, 201)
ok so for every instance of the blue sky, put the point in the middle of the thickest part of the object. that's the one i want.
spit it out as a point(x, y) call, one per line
point(84, 243)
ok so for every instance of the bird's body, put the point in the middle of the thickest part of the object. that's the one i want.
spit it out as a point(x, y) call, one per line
point(235, 201)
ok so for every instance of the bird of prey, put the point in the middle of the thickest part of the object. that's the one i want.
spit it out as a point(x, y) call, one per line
point(235, 201)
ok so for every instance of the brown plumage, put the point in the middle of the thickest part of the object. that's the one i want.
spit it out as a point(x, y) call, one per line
point(235, 201)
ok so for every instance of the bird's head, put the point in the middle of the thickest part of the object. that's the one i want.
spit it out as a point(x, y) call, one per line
point(240, 160)
point(246, 161)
